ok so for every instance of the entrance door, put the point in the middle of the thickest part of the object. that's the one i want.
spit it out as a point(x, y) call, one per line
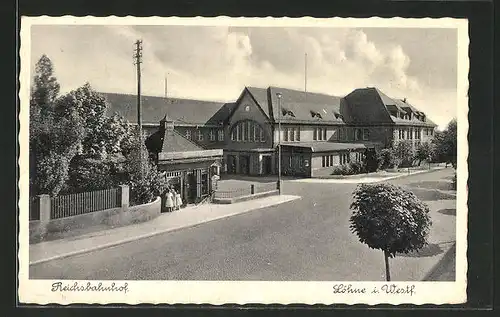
point(191, 187)
point(231, 164)
point(245, 164)
point(266, 165)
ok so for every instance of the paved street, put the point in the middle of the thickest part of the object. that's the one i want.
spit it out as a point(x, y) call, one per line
point(306, 239)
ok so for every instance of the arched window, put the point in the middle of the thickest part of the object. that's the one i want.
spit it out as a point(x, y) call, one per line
point(247, 131)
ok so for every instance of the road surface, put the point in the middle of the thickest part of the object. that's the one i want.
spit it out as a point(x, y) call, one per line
point(307, 239)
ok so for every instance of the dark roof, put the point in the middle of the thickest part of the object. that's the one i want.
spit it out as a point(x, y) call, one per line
point(326, 146)
point(297, 106)
point(222, 114)
point(154, 109)
point(368, 105)
point(169, 140)
point(262, 98)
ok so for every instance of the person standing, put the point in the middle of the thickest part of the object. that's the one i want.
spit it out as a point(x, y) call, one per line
point(178, 200)
point(169, 201)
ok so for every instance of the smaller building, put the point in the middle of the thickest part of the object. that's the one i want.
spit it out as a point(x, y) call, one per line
point(188, 167)
point(309, 159)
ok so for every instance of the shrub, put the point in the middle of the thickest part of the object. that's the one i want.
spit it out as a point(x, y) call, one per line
point(142, 175)
point(145, 189)
point(345, 169)
point(389, 218)
point(386, 159)
point(356, 167)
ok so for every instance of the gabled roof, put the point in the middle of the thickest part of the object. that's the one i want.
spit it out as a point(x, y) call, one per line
point(262, 98)
point(368, 105)
point(169, 140)
point(154, 109)
point(297, 106)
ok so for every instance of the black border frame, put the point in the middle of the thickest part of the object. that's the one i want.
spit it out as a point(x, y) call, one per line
point(481, 119)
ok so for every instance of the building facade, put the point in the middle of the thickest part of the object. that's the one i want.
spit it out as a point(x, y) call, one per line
point(316, 131)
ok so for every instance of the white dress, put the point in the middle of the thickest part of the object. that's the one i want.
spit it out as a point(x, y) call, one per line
point(169, 203)
point(178, 200)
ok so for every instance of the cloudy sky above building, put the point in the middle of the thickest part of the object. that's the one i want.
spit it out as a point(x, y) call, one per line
point(216, 62)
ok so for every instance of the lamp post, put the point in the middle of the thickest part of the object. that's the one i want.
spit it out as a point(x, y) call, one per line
point(279, 141)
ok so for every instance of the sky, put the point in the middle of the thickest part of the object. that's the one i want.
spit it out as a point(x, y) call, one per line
point(217, 62)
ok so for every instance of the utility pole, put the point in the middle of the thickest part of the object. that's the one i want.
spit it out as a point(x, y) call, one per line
point(279, 142)
point(138, 62)
point(305, 75)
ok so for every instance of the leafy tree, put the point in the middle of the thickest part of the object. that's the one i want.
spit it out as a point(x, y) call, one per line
point(389, 218)
point(403, 153)
point(105, 143)
point(45, 86)
point(445, 143)
point(145, 181)
point(386, 159)
point(424, 152)
point(54, 139)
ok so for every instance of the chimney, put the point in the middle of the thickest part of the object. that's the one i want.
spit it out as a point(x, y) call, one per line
point(166, 124)
point(404, 99)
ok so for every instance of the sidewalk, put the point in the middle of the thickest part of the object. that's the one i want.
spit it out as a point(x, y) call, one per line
point(369, 178)
point(167, 222)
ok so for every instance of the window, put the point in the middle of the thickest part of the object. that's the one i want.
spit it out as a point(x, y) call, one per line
point(315, 134)
point(408, 133)
point(432, 132)
point(297, 134)
point(200, 135)
point(262, 138)
point(315, 114)
point(212, 134)
point(243, 131)
point(188, 134)
point(402, 134)
point(324, 133)
point(331, 160)
point(292, 134)
point(357, 134)
point(256, 132)
point(234, 134)
point(342, 133)
point(285, 134)
point(366, 134)
point(323, 161)
point(221, 135)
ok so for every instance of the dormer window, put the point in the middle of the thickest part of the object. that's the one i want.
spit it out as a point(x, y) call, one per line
point(336, 114)
point(315, 114)
point(287, 112)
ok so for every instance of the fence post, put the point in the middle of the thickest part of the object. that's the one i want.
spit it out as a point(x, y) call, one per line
point(124, 194)
point(44, 206)
point(252, 189)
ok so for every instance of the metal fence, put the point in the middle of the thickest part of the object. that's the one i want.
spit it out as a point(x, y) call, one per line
point(249, 190)
point(82, 203)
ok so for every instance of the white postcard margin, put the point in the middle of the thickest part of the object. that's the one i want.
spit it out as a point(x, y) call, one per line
point(246, 292)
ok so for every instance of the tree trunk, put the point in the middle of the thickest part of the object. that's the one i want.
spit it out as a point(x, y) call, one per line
point(387, 272)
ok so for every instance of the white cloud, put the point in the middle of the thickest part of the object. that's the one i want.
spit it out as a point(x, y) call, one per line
point(217, 62)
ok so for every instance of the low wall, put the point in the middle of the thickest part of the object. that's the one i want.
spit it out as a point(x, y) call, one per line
point(245, 198)
point(93, 221)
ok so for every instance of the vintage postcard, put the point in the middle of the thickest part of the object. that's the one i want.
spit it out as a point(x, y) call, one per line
point(243, 160)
